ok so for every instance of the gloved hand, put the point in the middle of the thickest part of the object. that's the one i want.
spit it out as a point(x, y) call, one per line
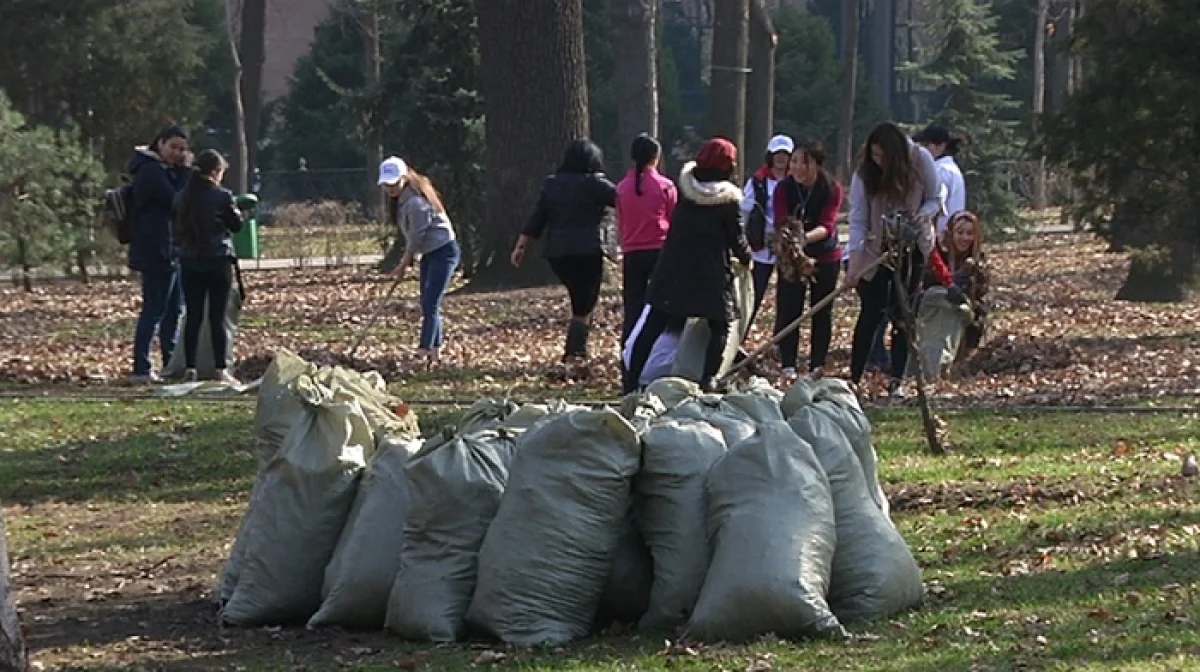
point(961, 278)
point(955, 295)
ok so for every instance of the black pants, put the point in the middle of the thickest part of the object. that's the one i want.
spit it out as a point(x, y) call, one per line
point(789, 306)
point(581, 275)
point(761, 275)
point(878, 296)
point(656, 323)
point(635, 278)
point(211, 286)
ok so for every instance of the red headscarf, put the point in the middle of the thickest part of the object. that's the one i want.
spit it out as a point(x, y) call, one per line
point(717, 154)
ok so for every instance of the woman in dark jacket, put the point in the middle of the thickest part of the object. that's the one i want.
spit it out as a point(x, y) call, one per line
point(807, 203)
point(204, 217)
point(159, 172)
point(569, 213)
point(694, 276)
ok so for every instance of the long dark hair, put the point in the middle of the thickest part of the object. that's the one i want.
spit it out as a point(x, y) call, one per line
point(815, 150)
point(957, 143)
point(191, 230)
point(644, 152)
point(172, 131)
point(895, 177)
point(582, 157)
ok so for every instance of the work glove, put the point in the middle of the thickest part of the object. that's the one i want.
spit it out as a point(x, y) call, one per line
point(955, 295)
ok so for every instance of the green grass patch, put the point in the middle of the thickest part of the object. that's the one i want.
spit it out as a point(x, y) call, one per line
point(1049, 541)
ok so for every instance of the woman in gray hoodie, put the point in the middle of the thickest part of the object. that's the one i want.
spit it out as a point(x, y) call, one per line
point(415, 206)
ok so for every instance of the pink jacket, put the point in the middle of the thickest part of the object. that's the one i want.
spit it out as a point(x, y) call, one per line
point(643, 220)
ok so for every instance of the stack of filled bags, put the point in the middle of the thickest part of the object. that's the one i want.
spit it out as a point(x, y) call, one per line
point(721, 517)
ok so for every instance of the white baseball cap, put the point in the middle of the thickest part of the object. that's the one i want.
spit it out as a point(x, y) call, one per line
point(781, 143)
point(392, 170)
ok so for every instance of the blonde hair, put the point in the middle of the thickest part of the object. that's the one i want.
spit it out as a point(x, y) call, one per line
point(976, 245)
point(424, 186)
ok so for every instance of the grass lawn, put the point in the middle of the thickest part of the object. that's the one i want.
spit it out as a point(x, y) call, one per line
point(1049, 541)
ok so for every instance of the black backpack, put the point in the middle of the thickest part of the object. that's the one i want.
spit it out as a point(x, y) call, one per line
point(756, 225)
point(116, 212)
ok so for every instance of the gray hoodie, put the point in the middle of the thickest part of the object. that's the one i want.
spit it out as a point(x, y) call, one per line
point(424, 228)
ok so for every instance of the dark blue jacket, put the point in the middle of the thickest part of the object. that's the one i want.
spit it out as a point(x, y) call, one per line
point(155, 186)
point(569, 212)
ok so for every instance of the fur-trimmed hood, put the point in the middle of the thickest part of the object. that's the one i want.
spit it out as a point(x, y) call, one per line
point(707, 193)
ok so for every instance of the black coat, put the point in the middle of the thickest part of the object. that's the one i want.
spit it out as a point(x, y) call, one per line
point(213, 216)
point(694, 276)
point(569, 213)
point(155, 185)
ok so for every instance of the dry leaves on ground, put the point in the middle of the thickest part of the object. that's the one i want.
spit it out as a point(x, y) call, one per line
point(1056, 337)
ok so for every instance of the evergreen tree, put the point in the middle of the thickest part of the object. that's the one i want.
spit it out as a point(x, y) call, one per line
point(964, 64)
point(1129, 138)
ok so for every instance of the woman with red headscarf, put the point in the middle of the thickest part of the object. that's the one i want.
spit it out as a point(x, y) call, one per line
point(694, 275)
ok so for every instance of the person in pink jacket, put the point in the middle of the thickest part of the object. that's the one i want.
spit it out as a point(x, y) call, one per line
point(645, 201)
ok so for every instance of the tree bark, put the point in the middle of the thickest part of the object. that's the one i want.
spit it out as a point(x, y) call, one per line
point(13, 657)
point(851, 20)
point(26, 267)
point(760, 87)
point(1039, 100)
point(254, 56)
point(239, 167)
point(731, 38)
point(530, 119)
point(636, 64)
point(374, 71)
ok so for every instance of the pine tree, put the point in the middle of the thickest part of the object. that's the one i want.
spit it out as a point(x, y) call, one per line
point(967, 60)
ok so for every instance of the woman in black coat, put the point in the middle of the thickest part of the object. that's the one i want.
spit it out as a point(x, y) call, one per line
point(569, 213)
point(694, 276)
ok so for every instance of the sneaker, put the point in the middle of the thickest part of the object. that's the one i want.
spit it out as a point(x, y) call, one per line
point(817, 373)
point(896, 390)
point(223, 376)
point(144, 379)
point(189, 376)
point(788, 377)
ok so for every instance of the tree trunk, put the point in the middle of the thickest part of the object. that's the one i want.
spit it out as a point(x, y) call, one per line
point(13, 657)
point(636, 65)
point(760, 87)
point(1039, 100)
point(374, 72)
point(254, 56)
point(731, 37)
point(1160, 275)
point(530, 119)
point(851, 21)
point(239, 167)
point(26, 267)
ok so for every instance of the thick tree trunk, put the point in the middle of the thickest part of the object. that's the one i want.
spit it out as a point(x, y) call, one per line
point(26, 267)
point(535, 101)
point(1039, 100)
point(13, 657)
point(760, 88)
point(254, 56)
point(239, 167)
point(731, 38)
point(1167, 276)
point(851, 20)
point(636, 61)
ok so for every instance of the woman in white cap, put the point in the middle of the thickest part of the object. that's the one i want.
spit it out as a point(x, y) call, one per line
point(758, 212)
point(415, 207)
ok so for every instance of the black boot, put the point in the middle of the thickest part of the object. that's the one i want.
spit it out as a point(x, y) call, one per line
point(577, 335)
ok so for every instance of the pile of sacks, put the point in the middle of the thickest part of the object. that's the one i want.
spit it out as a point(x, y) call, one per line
point(718, 517)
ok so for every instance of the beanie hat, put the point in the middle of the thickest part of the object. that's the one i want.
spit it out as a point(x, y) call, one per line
point(717, 154)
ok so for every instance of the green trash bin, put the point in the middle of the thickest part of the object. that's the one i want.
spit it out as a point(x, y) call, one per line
point(245, 242)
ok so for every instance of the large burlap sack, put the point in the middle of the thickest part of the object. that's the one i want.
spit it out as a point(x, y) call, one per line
point(205, 362)
point(838, 400)
point(669, 494)
point(456, 489)
point(689, 358)
point(486, 414)
point(941, 325)
point(364, 564)
point(278, 408)
point(303, 498)
point(771, 522)
point(734, 424)
point(627, 591)
point(547, 554)
point(874, 574)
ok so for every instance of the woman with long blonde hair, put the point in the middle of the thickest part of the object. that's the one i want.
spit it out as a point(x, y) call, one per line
point(415, 207)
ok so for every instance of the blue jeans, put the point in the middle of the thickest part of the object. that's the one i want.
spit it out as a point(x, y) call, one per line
point(162, 304)
point(880, 358)
point(437, 267)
